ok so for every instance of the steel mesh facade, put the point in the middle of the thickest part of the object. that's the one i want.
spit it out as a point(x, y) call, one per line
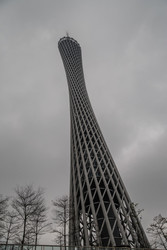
point(102, 211)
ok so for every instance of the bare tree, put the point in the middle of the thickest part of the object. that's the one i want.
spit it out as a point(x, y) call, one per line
point(39, 221)
point(10, 227)
point(26, 204)
point(62, 217)
point(3, 211)
point(158, 231)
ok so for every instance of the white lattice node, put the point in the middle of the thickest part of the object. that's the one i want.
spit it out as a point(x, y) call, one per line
point(101, 211)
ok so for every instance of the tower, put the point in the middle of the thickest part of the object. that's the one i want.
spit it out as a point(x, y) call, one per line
point(102, 212)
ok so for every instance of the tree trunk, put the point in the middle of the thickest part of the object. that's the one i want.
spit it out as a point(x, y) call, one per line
point(24, 233)
point(65, 227)
point(36, 240)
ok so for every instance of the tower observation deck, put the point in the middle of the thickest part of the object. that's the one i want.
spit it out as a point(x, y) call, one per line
point(102, 212)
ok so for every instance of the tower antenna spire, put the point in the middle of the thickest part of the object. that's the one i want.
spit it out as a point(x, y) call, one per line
point(67, 34)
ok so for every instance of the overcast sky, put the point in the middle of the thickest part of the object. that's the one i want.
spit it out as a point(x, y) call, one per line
point(124, 50)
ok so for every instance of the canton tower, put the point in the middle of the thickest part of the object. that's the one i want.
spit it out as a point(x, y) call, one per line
point(102, 212)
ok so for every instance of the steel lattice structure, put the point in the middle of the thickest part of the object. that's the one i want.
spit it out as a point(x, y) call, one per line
point(103, 214)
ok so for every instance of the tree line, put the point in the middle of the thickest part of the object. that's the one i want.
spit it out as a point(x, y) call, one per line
point(24, 218)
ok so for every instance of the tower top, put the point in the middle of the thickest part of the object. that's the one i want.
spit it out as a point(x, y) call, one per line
point(68, 38)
